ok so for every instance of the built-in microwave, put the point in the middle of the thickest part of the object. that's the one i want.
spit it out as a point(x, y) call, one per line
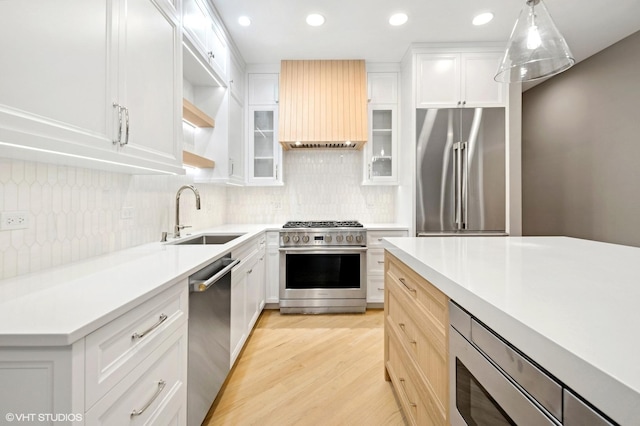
point(492, 383)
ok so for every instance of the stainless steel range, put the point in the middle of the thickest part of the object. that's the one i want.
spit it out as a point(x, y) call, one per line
point(323, 267)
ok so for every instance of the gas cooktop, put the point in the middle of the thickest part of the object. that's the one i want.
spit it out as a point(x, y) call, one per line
point(323, 224)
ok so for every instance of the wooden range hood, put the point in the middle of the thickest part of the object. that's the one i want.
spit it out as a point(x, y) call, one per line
point(323, 104)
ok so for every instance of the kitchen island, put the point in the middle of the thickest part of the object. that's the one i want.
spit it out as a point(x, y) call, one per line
point(569, 304)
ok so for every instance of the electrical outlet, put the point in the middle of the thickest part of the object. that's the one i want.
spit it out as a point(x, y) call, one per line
point(126, 213)
point(14, 220)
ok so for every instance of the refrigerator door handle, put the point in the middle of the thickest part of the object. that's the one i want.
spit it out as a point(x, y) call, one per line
point(464, 190)
point(457, 161)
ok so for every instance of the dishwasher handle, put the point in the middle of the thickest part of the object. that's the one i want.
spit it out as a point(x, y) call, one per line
point(198, 284)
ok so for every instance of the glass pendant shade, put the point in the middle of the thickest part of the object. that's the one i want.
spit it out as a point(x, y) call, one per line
point(536, 49)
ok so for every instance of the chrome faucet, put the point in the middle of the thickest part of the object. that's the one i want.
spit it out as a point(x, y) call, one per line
point(178, 227)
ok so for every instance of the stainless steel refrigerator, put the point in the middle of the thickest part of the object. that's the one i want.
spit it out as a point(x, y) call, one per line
point(460, 171)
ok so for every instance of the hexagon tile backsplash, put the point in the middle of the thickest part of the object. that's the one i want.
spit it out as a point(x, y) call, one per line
point(77, 213)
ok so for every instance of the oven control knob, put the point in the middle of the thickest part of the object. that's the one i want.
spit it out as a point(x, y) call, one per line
point(339, 238)
point(295, 238)
point(305, 239)
point(285, 239)
point(359, 238)
point(327, 238)
point(349, 238)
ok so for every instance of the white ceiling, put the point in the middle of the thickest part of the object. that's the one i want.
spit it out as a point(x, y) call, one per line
point(359, 29)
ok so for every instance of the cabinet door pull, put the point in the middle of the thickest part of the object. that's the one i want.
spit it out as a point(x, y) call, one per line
point(119, 139)
point(161, 319)
point(126, 133)
point(161, 385)
point(211, 55)
point(402, 280)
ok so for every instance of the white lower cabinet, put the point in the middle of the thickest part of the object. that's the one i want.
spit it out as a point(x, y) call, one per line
point(272, 273)
point(375, 262)
point(247, 292)
point(109, 377)
point(152, 393)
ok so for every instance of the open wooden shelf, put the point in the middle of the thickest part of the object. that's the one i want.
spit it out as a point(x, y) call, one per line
point(195, 115)
point(195, 160)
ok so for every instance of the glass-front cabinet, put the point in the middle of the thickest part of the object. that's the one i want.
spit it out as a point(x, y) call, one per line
point(381, 155)
point(264, 149)
point(380, 152)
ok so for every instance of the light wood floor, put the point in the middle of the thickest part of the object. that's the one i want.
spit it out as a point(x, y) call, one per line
point(310, 370)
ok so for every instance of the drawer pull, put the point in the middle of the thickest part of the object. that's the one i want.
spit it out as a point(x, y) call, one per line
point(381, 289)
point(381, 262)
point(402, 280)
point(162, 319)
point(379, 239)
point(412, 404)
point(413, 342)
point(161, 385)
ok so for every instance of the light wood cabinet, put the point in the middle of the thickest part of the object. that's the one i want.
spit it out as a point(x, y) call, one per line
point(416, 343)
point(97, 87)
point(458, 79)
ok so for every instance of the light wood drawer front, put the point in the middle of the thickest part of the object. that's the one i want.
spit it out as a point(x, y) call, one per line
point(427, 304)
point(430, 358)
point(429, 409)
point(156, 390)
point(112, 351)
point(375, 262)
point(403, 384)
point(374, 238)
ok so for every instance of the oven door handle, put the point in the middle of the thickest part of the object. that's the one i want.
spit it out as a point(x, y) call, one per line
point(323, 250)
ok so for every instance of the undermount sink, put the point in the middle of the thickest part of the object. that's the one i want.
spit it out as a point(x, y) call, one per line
point(209, 239)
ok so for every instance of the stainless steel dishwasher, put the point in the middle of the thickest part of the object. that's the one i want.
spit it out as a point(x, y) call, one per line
point(209, 336)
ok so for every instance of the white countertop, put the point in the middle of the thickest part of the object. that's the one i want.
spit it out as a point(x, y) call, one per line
point(571, 305)
point(58, 306)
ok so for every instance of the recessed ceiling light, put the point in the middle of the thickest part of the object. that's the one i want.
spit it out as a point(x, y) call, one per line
point(315, 20)
point(482, 18)
point(398, 19)
point(245, 21)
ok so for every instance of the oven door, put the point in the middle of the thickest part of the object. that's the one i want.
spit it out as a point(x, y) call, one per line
point(481, 395)
point(323, 273)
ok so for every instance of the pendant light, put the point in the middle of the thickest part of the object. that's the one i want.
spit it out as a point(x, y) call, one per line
point(536, 49)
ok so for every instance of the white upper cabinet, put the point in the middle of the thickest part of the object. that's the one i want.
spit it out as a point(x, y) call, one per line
point(263, 89)
point(66, 66)
point(381, 151)
point(264, 149)
point(149, 83)
point(236, 141)
point(458, 79)
point(202, 33)
point(236, 79)
point(382, 87)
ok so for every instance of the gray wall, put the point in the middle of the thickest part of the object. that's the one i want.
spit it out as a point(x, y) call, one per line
point(581, 149)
